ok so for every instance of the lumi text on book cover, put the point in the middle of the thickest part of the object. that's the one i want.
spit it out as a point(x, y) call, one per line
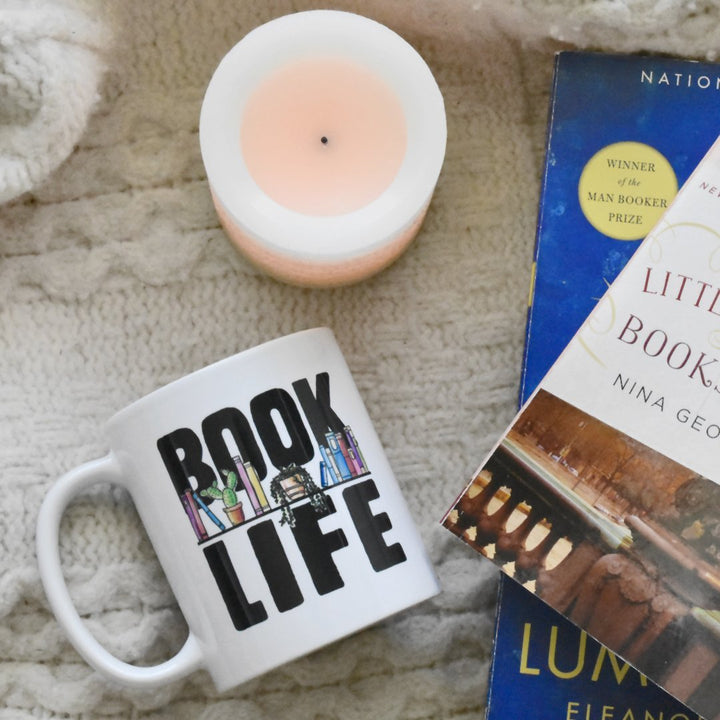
point(603, 496)
point(546, 668)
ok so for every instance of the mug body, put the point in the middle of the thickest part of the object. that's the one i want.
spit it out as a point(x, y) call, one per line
point(268, 498)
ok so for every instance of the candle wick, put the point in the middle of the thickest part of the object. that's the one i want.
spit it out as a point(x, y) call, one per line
point(324, 140)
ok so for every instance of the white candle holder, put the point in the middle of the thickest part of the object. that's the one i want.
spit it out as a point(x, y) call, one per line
point(322, 250)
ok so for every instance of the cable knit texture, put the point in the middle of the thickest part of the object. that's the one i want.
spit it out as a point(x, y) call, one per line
point(115, 278)
point(50, 67)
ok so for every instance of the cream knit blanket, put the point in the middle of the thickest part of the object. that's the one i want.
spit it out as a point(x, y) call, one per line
point(115, 277)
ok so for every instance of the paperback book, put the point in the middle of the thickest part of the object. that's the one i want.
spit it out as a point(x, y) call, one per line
point(603, 496)
point(545, 667)
point(624, 132)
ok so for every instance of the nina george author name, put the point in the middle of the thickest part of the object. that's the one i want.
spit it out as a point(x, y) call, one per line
point(653, 399)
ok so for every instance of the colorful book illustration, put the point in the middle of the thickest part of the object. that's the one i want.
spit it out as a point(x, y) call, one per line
point(603, 497)
point(333, 474)
point(291, 484)
point(355, 448)
point(596, 203)
point(203, 506)
point(342, 456)
point(340, 462)
point(544, 667)
point(251, 482)
point(193, 515)
point(257, 486)
point(348, 455)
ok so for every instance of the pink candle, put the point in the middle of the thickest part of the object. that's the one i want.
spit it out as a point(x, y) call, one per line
point(323, 134)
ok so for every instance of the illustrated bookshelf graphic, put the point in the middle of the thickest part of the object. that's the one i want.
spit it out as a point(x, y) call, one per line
point(239, 496)
point(603, 496)
point(341, 458)
point(544, 667)
point(623, 133)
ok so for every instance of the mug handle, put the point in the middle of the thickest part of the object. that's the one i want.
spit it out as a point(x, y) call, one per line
point(106, 469)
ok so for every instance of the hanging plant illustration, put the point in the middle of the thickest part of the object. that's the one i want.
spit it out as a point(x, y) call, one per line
point(233, 506)
point(293, 483)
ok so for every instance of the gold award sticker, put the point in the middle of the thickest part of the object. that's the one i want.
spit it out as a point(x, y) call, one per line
point(625, 188)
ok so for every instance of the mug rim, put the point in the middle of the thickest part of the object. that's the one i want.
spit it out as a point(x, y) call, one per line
point(136, 405)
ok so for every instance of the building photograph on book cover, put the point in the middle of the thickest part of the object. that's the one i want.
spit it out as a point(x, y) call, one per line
point(618, 537)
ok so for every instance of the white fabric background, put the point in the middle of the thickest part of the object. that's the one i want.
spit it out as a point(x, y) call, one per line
point(115, 278)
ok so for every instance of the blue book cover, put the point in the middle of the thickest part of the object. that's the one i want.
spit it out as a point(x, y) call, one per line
point(546, 668)
point(624, 132)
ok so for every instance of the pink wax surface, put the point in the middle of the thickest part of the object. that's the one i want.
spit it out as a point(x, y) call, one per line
point(323, 136)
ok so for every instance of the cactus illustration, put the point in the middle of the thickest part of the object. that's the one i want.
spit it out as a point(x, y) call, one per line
point(227, 494)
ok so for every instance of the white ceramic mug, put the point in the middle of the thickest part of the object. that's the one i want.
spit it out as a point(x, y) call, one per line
point(270, 503)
